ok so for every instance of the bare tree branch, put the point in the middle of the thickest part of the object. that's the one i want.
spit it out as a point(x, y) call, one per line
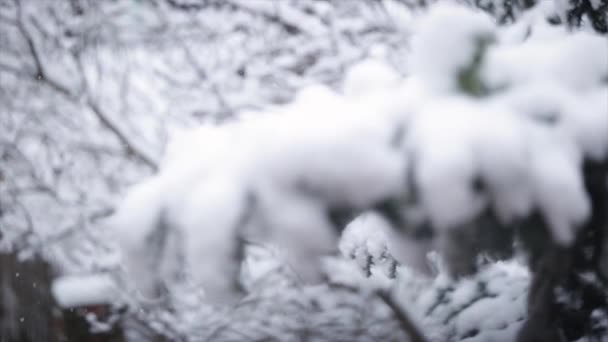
point(41, 74)
point(131, 147)
point(406, 323)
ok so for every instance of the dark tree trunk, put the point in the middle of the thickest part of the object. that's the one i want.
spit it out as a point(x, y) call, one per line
point(27, 308)
point(573, 272)
point(29, 313)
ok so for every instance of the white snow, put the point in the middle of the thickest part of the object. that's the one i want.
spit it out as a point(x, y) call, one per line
point(370, 76)
point(579, 62)
point(82, 290)
point(297, 163)
point(438, 54)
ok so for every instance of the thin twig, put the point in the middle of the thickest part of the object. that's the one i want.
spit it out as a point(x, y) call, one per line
point(401, 315)
point(40, 72)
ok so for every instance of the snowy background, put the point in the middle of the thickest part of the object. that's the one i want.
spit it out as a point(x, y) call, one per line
point(312, 170)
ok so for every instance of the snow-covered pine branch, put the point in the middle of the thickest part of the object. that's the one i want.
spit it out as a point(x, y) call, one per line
point(487, 137)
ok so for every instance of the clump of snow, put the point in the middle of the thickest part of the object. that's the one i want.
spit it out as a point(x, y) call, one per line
point(366, 241)
point(578, 62)
point(438, 54)
point(293, 165)
point(82, 290)
point(369, 76)
point(367, 234)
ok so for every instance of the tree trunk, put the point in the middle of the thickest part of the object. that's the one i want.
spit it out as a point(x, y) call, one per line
point(27, 308)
